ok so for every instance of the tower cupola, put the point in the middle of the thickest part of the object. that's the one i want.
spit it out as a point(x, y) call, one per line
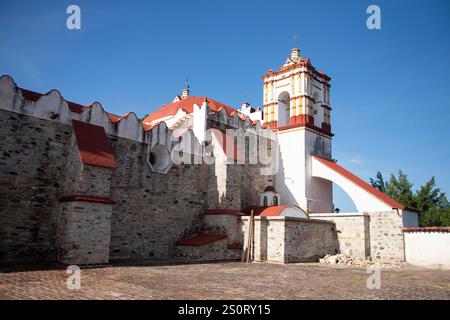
point(185, 93)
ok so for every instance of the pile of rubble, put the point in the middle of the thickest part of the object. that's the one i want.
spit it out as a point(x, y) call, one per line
point(342, 259)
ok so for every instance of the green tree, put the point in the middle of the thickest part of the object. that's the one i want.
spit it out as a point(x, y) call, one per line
point(143, 117)
point(433, 205)
point(378, 182)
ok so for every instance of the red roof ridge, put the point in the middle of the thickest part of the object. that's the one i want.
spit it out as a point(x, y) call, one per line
point(359, 182)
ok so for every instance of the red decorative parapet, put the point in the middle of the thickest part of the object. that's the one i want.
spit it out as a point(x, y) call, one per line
point(427, 229)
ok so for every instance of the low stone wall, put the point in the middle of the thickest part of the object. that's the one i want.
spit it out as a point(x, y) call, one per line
point(352, 230)
point(375, 234)
point(386, 237)
point(288, 239)
point(428, 247)
point(213, 251)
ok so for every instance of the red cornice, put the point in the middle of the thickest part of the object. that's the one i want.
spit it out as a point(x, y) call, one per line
point(311, 71)
point(308, 122)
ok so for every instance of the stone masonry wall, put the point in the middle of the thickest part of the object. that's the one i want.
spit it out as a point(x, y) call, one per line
point(268, 242)
point(84, 228)
point(308, 240)
point(33, 156)
point(288, 239)
point(224, 224)
point(352, 232)
point(213, 251)
point(86, 179)
point(386, 237)
point(375, 234)
point(40, 162)
point(84, 232)
point(152, 211)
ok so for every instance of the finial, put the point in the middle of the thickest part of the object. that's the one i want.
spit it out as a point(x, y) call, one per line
point(186, 91)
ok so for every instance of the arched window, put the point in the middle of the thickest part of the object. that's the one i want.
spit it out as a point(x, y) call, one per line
point(275, 200)
point(317, 106)
point(284, 109)
point(265, 201)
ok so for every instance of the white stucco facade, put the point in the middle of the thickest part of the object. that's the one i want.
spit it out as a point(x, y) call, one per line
point(428, 248)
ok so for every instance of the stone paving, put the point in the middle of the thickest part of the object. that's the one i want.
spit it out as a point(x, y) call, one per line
point(230, 280)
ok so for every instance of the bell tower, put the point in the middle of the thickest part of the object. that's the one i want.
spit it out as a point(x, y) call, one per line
point(297, 105)
point(297, 94)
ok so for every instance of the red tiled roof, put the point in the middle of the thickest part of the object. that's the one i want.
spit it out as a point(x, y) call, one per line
point(273, 211)
point(361, 183)
point(93, 145)
point(86, 198)
point(187, 105)
point(201, 239)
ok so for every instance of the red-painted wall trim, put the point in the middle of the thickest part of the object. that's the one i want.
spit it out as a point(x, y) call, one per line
point(305, 121)
point(223, 211)
point(201, 239)
point(86, 198)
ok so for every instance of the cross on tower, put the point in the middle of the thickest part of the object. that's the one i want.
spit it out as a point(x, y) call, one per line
point(295, 38)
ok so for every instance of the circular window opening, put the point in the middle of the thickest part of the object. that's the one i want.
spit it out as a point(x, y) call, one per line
point(159, 159)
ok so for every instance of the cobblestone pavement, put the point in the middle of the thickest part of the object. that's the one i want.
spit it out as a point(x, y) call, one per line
point(231, 280)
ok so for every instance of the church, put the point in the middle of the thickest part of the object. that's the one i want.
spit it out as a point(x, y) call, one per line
point(194, 180)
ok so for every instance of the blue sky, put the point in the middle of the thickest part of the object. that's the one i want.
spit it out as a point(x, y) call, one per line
point(390, 90)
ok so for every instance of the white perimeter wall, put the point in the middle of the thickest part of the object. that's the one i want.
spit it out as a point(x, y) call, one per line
point(428, 249)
